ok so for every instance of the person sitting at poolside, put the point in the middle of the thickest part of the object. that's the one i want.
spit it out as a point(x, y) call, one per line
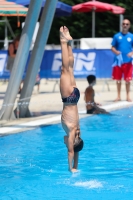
point(70, 96)
point(12, 51)
point(91, 106)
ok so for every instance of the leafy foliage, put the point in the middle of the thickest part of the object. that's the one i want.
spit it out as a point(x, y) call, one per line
point(14, 25)
point(80, 24)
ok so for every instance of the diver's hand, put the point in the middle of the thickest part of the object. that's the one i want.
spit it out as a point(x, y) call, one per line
point(73, 170)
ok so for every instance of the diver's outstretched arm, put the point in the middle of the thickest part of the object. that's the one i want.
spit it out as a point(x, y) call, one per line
point(76, 156)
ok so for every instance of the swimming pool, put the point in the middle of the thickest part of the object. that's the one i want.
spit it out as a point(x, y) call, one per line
point(33, 164)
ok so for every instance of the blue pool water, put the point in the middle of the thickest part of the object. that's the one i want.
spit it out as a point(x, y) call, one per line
point(33, 164)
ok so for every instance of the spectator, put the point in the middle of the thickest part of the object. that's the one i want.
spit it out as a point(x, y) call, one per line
point(122, 48)
point(12, 51)
point(91, 105)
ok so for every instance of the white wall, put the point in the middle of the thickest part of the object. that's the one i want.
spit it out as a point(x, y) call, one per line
point(95, 43)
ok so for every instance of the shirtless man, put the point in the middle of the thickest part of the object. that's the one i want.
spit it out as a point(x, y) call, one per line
point(91, 106)
point(70, 96)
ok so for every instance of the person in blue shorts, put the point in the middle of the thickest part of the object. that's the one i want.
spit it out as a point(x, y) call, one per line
point(122, 48)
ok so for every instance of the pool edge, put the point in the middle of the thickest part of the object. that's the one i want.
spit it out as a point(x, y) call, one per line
point(9, 128)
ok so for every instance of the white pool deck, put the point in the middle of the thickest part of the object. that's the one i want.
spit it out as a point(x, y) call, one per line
point(46, 106)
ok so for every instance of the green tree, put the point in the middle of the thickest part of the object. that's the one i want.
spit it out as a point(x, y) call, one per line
point(80, 24)
point(14, 25)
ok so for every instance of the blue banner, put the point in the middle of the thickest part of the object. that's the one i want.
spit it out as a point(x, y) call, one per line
point(4, 73)
point(97, 62)
point(3, 60)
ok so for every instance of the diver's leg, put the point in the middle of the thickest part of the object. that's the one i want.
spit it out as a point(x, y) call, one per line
point(64, 49)
point(71, 57)
point(65, 79)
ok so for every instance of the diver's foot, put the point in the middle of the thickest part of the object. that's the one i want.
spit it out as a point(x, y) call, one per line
point(67, 33)
point(64, 34)
point(129, 100)
point(117, 99)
